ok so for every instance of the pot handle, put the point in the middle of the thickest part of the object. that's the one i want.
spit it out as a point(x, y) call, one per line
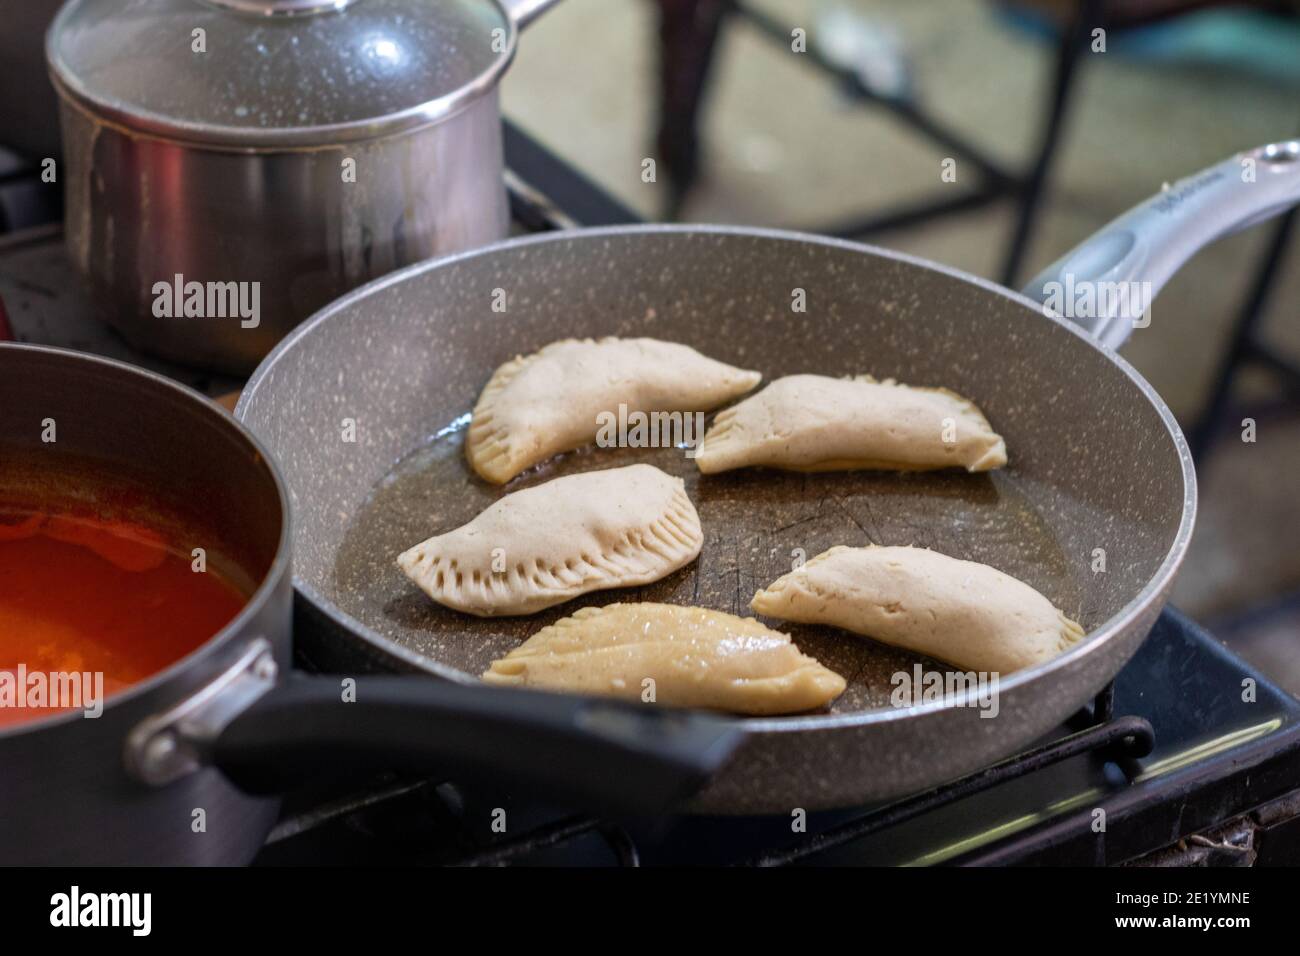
point(1149, 243)
point(524, 12)
point(267, 737)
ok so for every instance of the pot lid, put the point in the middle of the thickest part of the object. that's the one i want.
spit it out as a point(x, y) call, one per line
point(262, 73)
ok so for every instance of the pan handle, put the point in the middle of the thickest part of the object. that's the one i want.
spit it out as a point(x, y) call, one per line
point(1113, 275)
point(267, 737)
point(606, 755)
point(524, 12)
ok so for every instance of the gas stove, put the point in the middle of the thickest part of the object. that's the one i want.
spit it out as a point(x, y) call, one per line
point(1190, 758)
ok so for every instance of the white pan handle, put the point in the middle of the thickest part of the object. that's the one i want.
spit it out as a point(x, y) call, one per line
point(1105, 283)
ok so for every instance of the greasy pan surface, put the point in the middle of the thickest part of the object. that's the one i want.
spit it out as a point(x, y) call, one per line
point(1095, 463)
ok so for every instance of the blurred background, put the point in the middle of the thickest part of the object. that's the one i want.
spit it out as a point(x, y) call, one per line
point(851, 133)
point(836, 116)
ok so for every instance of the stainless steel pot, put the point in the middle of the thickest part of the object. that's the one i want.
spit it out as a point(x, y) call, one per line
point(207, 739)
point(272, 154)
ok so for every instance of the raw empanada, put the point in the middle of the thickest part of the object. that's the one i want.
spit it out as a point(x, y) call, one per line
point(547, 544)
point(965, 613)
point(696, 658)
point(539, 405)
point(816, 423)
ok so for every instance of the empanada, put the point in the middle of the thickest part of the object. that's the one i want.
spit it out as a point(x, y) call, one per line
point(539, 405)
point(965, 613)
point(695, 657)
point(817, 423)
point(547, 544)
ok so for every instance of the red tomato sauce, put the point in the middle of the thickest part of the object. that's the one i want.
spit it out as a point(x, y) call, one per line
point(92, 595)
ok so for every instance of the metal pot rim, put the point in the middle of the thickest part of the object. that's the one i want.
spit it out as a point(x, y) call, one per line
point(162, 127)
point(1157, 585)
point(265, 589)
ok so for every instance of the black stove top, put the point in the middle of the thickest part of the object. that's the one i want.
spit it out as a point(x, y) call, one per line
point(1220, 784)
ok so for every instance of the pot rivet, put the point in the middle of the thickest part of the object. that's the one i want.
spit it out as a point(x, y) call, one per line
point(161, 748)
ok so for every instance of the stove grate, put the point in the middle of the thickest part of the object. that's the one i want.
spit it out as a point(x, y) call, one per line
point(1121, 740)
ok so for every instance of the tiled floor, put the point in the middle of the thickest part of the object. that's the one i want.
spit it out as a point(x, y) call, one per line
point(785, 149)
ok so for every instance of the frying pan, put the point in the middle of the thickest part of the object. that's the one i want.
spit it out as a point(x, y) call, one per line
point(365, 408)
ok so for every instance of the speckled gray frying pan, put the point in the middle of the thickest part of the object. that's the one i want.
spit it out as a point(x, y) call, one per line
point(365, 408)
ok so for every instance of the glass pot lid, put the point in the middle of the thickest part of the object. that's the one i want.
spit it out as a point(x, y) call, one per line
point(263, 73)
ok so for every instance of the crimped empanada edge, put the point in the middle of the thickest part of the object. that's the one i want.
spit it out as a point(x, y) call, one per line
point(677, 531)
point(488, 443)
point(810, 683)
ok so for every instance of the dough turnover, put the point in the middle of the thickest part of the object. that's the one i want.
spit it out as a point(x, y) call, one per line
point(547, 544)
point(539, 405)
point(965, 613)
point(817, 423)
point(696, 658)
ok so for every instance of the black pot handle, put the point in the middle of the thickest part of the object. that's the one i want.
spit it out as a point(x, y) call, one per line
point(608, 755)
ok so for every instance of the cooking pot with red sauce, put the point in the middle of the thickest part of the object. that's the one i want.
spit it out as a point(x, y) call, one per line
point(114, 483)
point(147, 711)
